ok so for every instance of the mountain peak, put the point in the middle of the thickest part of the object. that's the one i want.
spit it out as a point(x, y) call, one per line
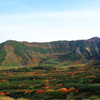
point(94, 38)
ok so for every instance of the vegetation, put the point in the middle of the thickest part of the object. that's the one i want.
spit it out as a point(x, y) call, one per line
point(67, 70)
point(77, 83)
point(2, 52)
point(14, 53)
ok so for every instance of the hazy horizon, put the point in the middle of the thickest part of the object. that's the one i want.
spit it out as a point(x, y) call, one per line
point(48, 41)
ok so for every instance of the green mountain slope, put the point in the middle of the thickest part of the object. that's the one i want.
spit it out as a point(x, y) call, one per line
point(15, 53)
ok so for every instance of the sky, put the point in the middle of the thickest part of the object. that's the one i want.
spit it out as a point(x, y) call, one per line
point(49, 20)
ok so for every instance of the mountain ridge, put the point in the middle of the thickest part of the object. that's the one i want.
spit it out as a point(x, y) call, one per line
point(93, 38)
point(16, 53)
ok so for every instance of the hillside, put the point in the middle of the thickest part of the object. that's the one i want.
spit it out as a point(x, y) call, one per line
point(16, 53)
point(66, 70)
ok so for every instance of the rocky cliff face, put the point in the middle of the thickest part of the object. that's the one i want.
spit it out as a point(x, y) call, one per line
point(14, 53)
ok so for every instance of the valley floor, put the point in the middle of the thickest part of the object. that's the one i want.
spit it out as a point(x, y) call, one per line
point(9, 98)
point(76, 82)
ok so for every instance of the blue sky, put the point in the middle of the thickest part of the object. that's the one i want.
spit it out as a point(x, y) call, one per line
point(49, 20)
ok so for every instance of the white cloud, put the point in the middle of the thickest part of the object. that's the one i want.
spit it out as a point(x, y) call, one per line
point(50, 26)
point(61, 17)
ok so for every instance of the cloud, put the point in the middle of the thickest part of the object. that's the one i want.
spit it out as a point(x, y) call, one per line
point(50, 26)
point(57, 19)
point(55, 15)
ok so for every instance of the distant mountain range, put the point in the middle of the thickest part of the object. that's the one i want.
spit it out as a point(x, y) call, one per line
point(16, 53)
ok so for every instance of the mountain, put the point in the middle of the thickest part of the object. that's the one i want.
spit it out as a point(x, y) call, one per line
point(16, 53)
